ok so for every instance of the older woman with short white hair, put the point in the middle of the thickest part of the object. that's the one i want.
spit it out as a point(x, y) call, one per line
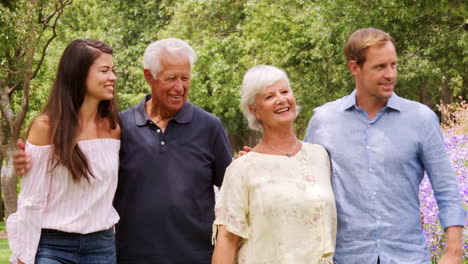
point(276, 203)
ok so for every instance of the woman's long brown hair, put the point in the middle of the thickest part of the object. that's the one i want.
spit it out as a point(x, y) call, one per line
point(66, 98)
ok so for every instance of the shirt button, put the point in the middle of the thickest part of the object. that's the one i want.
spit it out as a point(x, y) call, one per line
point(159, 130)
point(163, 143)
point(374, 193)
point(367, 147)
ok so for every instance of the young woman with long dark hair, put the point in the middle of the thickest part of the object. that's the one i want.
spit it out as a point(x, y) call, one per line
point(65, 212)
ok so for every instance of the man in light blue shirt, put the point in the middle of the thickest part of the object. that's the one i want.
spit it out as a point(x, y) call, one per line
point(380, 145)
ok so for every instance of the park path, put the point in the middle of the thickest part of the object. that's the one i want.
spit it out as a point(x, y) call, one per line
point(3, 235)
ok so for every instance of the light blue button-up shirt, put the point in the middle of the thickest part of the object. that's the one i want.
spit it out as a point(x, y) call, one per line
point(377, 168)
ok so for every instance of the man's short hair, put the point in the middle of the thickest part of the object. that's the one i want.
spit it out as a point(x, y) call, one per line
point(357, 44)
point(172, 46)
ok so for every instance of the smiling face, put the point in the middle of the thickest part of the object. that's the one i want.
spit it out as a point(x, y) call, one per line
point(375, 79)
point(100, 80)
point(275, 105)
point(170, 90)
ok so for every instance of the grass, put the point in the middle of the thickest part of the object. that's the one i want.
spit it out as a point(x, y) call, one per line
point(5, 251)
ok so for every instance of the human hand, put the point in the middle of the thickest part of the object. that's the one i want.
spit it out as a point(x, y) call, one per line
point(245, 150)
point(21, 159)
point(20, 262)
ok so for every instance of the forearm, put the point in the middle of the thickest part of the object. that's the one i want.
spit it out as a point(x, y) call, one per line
point(226, 247)
point(454, 240)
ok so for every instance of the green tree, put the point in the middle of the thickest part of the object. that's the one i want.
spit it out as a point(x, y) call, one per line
point(126, 26)
point(306, 39)
point(214, 30)
point(27, 29)
point(431, 40)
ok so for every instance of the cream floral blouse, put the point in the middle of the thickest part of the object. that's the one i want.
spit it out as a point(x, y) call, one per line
point(283, 208)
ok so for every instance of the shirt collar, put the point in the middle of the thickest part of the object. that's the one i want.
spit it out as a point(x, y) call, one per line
point(184, 115)
point(393, 102)
point(350, 101)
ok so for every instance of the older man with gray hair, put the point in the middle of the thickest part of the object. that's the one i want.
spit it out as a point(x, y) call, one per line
point(172, 153)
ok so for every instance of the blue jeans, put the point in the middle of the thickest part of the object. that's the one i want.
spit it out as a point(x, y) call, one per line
point(57, 247)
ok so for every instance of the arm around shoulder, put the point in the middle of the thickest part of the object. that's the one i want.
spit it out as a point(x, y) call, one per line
point(222, 153)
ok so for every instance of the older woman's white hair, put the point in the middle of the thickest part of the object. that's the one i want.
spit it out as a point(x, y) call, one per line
point(172, 46)
point(255, 80)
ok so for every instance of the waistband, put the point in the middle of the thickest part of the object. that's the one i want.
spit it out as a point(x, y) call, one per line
point(58, 232)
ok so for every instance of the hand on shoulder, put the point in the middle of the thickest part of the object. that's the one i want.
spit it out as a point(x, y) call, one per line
point(40, 131)
point(245, 150)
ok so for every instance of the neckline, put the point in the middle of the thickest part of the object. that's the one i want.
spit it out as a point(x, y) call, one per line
point(282, 156)
point(81, 141)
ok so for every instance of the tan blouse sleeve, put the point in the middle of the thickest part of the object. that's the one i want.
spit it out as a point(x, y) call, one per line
point(232, 206)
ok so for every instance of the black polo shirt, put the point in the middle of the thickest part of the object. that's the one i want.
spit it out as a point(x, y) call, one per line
point(165, 195)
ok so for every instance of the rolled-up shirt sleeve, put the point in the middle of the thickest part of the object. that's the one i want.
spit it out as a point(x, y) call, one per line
point(441, 175)
point(24, 226)
point(232, 206)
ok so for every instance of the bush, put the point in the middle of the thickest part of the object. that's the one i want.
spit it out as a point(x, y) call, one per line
point(455, 130)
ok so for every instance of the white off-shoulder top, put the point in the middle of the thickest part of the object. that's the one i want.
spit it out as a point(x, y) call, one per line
point(51, 199)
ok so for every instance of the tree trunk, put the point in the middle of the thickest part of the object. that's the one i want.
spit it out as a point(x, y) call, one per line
point(446, 93)
point(425, 97)
point(9, 182)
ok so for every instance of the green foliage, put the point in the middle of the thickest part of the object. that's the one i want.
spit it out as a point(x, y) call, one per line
point(127, 26)
point(303, 37)
point(5, 251)
point(306, 39)
point(290, 35)
point(26, 29)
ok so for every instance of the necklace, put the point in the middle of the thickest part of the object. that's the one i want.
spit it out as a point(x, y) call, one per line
point(280, 151)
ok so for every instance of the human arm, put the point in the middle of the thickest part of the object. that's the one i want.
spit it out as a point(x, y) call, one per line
point(454, 249)
point(222, 155)
point(232, 210)
point(21, 159)
point(445, 186)
point(39, 134)
point(226, 247)
point(24, 226)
